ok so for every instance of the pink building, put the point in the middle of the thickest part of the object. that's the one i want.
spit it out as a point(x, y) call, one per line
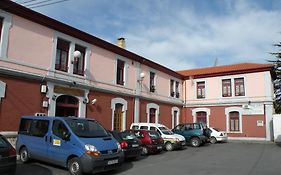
point(234, 98)
point(39, 74)
point(42, 74)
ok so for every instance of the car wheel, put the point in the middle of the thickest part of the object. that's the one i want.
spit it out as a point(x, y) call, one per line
point(144, 151)
point(169, 146)
point(195, 142)
point(213, 140)
point(24, 155)
point(75, 166)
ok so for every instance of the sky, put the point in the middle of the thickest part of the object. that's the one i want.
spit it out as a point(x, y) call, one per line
point(179, 34)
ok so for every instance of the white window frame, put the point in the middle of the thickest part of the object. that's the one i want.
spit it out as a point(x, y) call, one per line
point(2, 89)
point(232, 86)
point(148, 107)
point(126, 69)
point(175, 123)
point(124, 103)
point(234, 109)
point(208, 113)
point(7, 23)
point(154, 80)
point(72, 42)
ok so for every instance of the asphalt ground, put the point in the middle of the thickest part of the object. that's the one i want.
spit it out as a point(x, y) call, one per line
point(217, 159)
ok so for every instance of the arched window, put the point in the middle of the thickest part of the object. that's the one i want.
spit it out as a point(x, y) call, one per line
point(67, 106)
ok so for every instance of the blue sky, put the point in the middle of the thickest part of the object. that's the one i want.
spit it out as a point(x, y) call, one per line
point(180, 34)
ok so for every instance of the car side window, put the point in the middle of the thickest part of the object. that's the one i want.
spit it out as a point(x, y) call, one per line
point(39, 128)
point(139, 134)
point(152, 128)
point(25, 125)
point(135, 127)
point(3, 144)
point(179, 127)
point(144, 127)
point(59, 129)
point(187, 127)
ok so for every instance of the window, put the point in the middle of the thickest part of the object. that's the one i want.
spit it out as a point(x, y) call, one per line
point(25, 126)
point(172, 93)
point(152, 82)
point(1, 26)
point(200, 89)
point(226, 88)
point(59, 129)
point(152, 114)
point(239, 87)
point(120, 72)
point(234, 121)
point(39, 128)
point(62, 55)
point(177, 89)
point(78, 64)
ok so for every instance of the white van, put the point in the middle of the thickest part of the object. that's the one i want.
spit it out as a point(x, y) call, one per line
point(172, 141)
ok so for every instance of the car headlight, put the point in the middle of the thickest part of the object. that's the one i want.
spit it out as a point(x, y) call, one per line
point(92, 150)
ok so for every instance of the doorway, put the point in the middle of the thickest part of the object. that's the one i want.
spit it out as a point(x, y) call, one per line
point(67, 106)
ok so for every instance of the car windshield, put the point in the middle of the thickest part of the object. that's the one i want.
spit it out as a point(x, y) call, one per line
point(153, 134)
point(86, 128)
point(127, 135)
point(3, 143)
point(216, 129)
point(166, 130)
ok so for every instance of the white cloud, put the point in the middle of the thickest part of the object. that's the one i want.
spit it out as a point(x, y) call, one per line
point(181, 34)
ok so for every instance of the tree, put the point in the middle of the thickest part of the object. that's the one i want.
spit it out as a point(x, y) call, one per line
point(277, 78)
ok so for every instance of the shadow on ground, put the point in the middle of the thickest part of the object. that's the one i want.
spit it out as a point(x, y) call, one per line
point(27, 169)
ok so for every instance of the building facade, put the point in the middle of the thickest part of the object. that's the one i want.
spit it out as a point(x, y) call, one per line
point(42, 74)
point(237, 99)
point(50, 68)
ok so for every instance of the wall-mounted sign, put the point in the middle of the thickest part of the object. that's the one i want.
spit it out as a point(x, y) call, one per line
point(259, 122)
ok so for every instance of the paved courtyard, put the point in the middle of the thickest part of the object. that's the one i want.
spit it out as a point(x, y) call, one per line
point(218, 159)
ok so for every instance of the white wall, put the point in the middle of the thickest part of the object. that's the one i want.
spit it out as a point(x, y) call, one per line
point(277, 127)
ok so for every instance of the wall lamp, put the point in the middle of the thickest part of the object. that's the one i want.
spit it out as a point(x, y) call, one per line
point(142, 75)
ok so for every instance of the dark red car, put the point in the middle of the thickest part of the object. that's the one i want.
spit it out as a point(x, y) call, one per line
point(151, 141)
point(7, 157)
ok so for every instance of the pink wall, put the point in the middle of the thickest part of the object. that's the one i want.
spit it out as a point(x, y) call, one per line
point(30, 43)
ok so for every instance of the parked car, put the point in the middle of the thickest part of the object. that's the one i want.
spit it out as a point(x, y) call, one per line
point(194, 133)
point(151, 141)
point(130, 144)
point(81, 145)
point(8, 157)
point(218, 136)
point(171, 141)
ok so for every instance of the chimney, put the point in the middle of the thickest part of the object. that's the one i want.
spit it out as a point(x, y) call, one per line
point(121, 42)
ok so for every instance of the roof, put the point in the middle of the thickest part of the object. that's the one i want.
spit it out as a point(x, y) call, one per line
point(14, 8)
point(225, 70)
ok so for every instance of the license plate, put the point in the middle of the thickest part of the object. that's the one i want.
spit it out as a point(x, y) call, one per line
point(159, 147)
point(135, 145)
point(111, 162)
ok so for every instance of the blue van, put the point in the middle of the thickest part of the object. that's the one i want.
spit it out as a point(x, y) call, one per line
point(81, 145)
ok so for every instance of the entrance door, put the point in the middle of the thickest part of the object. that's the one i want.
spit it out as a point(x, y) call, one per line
point(175, 119)
point(66, 106)
point(152, 113)
point(118, 115)
point(201, 117)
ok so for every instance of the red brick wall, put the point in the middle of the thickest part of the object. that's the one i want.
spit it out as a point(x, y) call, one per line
point(217, 119)
point(23, 97)
point(165, 113)
point(102, 111)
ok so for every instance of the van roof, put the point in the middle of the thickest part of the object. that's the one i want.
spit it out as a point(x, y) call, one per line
point(52, 117)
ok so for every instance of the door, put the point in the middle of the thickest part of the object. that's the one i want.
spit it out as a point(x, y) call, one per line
point(36, 142)
point(201, 117)
point(59, 149)
point(118, 117)
point(66, 106)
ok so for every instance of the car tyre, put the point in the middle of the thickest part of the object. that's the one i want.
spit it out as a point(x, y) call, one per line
point(195, 142)
point(169, 146)
point(144, 151)
point(24, 155)
point(213, 140)
point(75, 166)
